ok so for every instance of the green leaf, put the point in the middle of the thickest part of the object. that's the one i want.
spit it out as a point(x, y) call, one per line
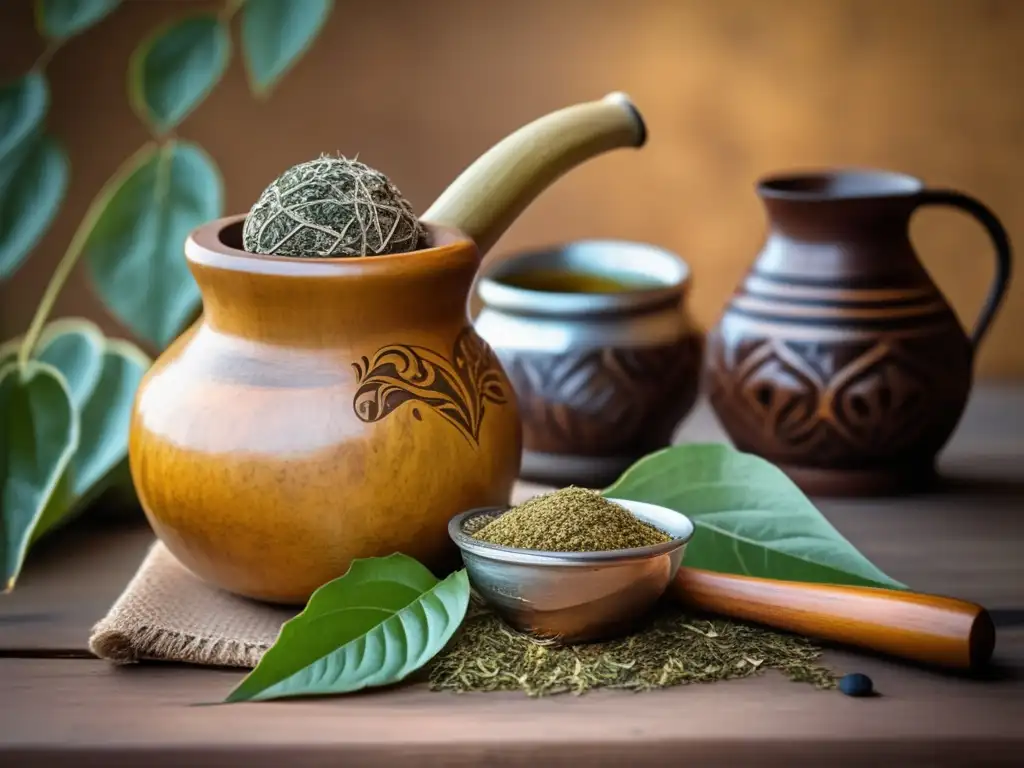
point(174, 69)
point(33, 180)
point(377, 624)
point(106, 416)
point(135, 251)
point(56, 509)
point(102, 376)
point(74, 346)
point(9, 350)
point(39, 435)
point(23, 106)
point(33, 170)
point(63, 18)
point(275, 35)
point(750, 518)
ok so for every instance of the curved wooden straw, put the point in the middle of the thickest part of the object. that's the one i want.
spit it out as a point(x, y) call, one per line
point(491, 193)
point(930, 629)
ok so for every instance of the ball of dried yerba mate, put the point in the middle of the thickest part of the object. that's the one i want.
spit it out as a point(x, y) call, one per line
point(332, 207)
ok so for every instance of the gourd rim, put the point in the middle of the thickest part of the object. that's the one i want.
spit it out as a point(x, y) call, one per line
point(213, 245)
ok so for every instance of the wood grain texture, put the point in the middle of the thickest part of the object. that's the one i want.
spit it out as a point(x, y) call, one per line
point(928, 629)
point(70, 580)
point(147, 714)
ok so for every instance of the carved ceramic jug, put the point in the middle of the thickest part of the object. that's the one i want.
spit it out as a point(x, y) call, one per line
point(838, 358)
point(325, 409)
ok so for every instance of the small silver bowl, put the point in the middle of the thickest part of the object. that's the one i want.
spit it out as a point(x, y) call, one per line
point(574, 597)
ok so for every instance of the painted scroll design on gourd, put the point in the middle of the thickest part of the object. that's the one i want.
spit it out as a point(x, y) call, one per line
point(458, 389)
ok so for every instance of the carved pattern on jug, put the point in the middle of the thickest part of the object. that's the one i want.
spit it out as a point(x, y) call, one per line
point(823, 401)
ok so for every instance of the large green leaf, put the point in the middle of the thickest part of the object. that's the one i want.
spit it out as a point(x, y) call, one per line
point(39, 435)
point(106, 417)
point(33, 180)
point(33, 169)
point(276, 34)
point(55, 511)
point(102, 376)
point(74, 346)
point(174, 69)
point(64, 18)
point(750, 517)
point(381, 621)
point(135, 250)
point(23, 105)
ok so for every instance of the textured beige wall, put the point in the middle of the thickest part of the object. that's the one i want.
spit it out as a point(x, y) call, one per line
point(731, 89)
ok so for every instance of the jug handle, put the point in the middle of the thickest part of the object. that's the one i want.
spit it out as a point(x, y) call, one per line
point(1001, 241)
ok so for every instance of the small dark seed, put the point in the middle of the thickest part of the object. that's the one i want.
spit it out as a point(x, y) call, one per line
point(856, 684)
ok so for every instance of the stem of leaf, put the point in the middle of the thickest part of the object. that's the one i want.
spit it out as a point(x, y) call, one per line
point(44, 58)
point(53, 289)
point(71, 256)
point(160, 191)
point(230, 9)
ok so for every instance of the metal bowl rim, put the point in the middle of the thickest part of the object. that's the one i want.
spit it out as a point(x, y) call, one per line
point(484, 549)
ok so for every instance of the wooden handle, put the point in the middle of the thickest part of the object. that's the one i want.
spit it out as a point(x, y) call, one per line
point(491, 193)
point(929, 629)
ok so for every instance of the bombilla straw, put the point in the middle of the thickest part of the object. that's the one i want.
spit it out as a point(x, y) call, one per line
point(491, 193)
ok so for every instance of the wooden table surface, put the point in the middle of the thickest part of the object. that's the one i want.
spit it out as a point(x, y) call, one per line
point(58, 705)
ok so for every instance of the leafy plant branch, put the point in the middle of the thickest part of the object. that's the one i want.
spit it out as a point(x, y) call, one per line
point(130, 240)
point(70, 259)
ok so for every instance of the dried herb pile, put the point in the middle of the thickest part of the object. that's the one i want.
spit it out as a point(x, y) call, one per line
point(331, 207)
point(570, 520)
point(671, 649)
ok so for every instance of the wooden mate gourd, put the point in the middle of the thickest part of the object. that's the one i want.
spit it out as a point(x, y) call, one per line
point(331, 408)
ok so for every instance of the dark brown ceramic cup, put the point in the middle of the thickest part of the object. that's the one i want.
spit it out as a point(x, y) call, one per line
point(601, 350)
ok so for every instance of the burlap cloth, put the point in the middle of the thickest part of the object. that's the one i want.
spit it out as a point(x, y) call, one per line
point(167, 614)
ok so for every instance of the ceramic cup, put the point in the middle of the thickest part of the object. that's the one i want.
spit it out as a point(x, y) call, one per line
point(601, 350)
